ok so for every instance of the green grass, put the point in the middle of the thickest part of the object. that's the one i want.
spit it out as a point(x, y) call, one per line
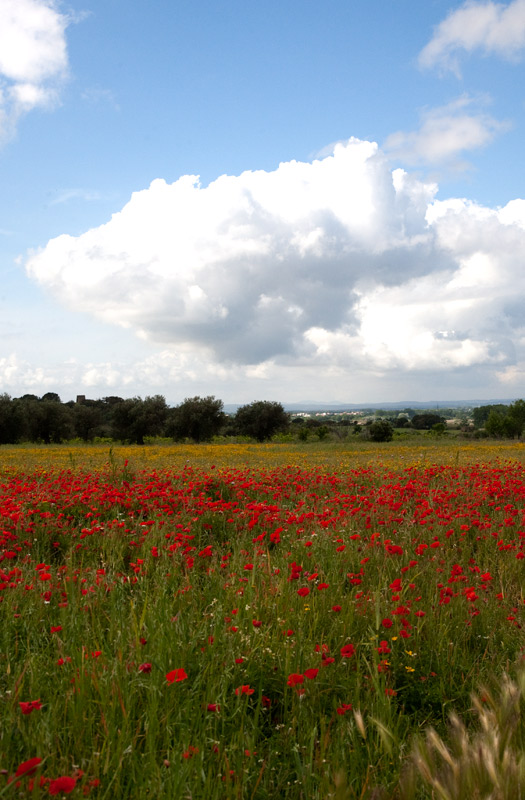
point(124, 591)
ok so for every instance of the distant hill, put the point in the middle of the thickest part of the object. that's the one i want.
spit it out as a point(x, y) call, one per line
point(339, 408)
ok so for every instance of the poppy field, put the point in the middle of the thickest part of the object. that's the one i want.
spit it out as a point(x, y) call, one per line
point(205, 622)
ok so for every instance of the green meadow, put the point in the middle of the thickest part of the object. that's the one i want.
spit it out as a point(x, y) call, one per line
point(258, 621)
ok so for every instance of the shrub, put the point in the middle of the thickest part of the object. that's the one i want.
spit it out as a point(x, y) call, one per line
point(381, 431)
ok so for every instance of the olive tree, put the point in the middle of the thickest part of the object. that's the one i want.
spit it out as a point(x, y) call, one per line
point(197, 418)
point(261, 420)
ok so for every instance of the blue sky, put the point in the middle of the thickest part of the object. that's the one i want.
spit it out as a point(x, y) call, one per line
point(292, 201)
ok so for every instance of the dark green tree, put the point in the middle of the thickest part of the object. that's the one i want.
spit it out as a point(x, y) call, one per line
point(45, 420)
point(381, 431)
point(55, 422)
point(495, 423)
point(87, 420)
point(261, 420)
point(197, 418)
point(312, 423)
point(11, 423)
point(424, 422)
point(322, 432)
point(135, 418)
point(508, 422)
point(26, 408)
point(111, 401)
point(516, 415)
point(481, 414)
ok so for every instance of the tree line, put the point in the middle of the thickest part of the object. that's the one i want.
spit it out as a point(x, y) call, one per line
point(500, 420)
point(47, 419)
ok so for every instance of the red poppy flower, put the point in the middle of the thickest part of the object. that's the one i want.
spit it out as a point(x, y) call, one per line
point(294, 679)
point(256, 623)
point(29, 707)
point(394, 549)
point(176, 675)
point(347, 651)
point(145, 667)
point(28, 767)
point(245, 689)
point(311, 673)
point(62, 785)
point(213, 707)
point(303, 591)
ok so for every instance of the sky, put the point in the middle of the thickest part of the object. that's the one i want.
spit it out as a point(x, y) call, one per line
point(291, 201)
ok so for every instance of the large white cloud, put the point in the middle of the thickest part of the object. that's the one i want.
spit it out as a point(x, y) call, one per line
point(336, 265)
point(33, 58)
point(493, 28)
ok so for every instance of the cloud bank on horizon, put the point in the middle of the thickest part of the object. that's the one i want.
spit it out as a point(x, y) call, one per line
point(341, 263)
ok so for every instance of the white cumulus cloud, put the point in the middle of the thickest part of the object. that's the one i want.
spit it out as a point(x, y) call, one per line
point(33, 58)
point(493, 28)
point(314, 271)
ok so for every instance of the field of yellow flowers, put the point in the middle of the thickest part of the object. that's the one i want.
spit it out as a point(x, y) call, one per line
point(418, 450)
